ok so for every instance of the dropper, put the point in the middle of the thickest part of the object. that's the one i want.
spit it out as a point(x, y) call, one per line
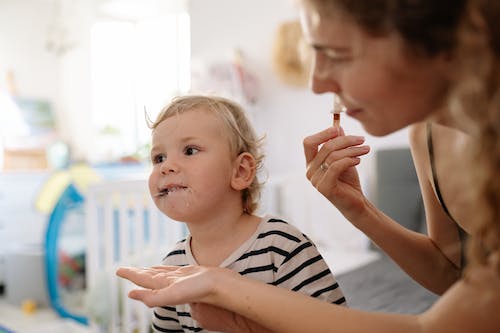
point(338, 107)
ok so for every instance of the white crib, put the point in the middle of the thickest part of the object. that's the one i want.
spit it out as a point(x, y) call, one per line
point(123, 227)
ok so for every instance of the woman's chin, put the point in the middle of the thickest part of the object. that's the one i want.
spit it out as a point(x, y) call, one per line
point(378, 131)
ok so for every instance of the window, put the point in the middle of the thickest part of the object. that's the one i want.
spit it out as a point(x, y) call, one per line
point(136, 66)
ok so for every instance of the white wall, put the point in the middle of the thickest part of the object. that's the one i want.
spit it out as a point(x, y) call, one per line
point(23, 27)
point(39, 73)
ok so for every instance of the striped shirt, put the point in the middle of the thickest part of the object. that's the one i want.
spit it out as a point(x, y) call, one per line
point(277, 254)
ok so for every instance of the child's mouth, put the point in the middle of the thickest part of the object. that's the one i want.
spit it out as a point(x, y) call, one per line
point(171, 189)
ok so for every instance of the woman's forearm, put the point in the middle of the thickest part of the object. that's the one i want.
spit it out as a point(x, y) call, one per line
point(466, 307)
point(284, 311)
point(414, 252)
point(469, 306)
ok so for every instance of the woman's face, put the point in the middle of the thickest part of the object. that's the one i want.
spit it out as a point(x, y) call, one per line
point(380, 83)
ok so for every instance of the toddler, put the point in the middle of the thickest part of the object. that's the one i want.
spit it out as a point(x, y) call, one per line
point(205, 157)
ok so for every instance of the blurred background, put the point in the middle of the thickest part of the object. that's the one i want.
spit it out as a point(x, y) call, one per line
point(77, 78)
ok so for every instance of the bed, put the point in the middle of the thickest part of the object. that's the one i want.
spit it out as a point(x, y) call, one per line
point(382, 286)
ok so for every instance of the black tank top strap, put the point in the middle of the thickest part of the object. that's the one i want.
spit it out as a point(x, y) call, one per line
point(430, 146)
point(462, 233)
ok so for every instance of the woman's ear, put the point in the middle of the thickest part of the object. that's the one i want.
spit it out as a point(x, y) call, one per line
point(244, 171)
point(446, 64)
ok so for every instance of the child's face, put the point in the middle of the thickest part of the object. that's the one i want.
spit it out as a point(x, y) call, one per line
point(192, 167)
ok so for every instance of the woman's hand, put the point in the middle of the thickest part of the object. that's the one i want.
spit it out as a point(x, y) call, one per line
point(172, 285)
point(214, 318)
point(331, 157)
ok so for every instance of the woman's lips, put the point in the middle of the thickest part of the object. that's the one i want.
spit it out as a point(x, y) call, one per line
point(353, 112)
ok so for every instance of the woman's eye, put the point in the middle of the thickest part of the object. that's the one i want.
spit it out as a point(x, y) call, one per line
point(335, 56)
point(191, 150)
point(160, 158)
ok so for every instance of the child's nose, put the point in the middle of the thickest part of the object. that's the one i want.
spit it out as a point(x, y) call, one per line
point(169, 166)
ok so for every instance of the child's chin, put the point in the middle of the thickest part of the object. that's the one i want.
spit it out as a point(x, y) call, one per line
point(176, 213)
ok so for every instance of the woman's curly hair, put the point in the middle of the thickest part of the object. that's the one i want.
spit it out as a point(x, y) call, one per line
point(476, 98)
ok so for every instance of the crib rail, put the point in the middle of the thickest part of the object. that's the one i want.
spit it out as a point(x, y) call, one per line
point(123, 227)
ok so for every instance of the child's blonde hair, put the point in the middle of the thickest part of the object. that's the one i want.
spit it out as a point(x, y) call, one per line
point(241, 135)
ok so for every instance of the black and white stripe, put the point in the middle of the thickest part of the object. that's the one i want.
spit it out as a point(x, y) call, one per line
point(277, 254)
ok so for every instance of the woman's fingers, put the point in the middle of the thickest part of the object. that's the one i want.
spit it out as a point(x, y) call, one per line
point(170, 284)
point(152, 278)
point(342, 142)
point(336, 149)
point(155, 297)
point(155, 279)
point(139, 276)
point(342, 133)
point(149, 297)
point(337, 155)
point(311, 143)
point(332, 173)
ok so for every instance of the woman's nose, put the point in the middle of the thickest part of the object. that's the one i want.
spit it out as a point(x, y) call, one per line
point(323, 77)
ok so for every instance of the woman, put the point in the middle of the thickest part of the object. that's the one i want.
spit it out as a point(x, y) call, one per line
point(386, 86)
point(451, 80)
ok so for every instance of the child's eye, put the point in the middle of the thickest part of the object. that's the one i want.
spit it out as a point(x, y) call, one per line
point(156, 159)
point(191, 150)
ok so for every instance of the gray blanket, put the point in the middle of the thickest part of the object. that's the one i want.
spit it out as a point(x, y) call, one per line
point(382, 286)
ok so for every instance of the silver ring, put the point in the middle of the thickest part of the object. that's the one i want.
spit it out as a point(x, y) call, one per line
point(323, 166)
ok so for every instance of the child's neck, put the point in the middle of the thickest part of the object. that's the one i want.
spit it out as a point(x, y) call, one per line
point(212, 243)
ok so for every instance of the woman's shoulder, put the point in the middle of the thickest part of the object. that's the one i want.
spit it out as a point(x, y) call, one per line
point(419, 146)
point(417, 129)
point(417, 134)
point(471, 305)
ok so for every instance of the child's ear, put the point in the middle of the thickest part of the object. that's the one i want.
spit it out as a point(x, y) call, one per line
point(244, 171)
